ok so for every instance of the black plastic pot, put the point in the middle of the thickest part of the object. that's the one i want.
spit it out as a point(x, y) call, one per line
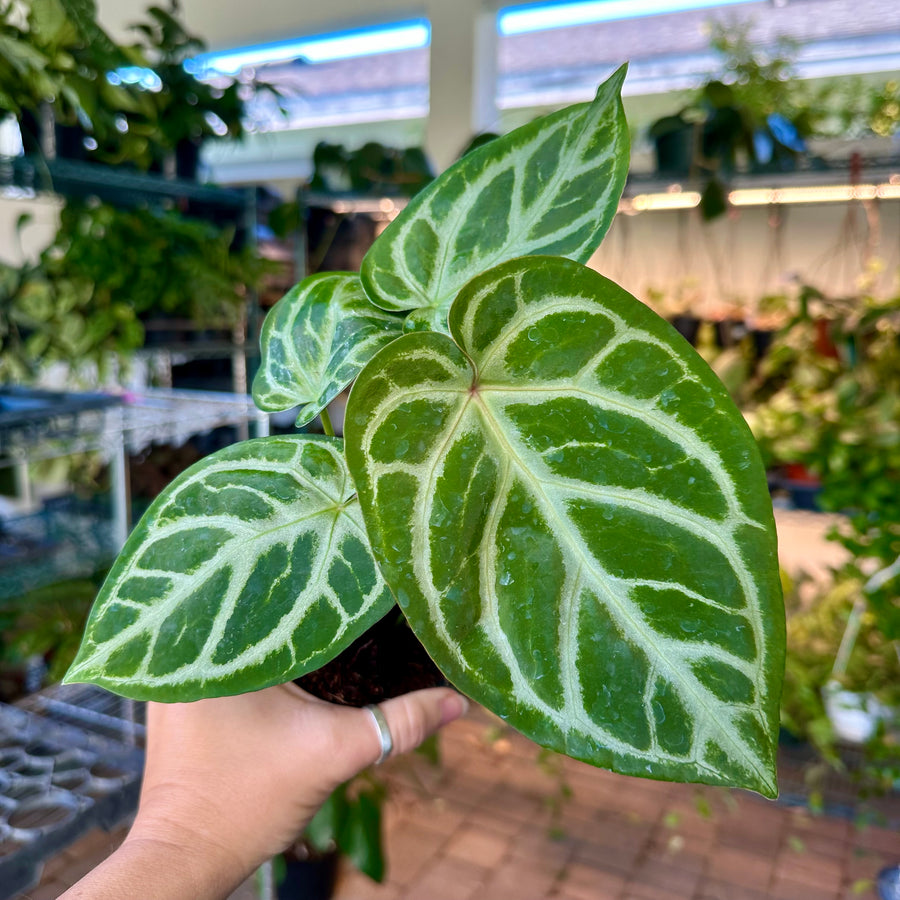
point(687, 326)
point(674, 143)
point(309, 879)
point(63, 141)
point(187, 159)
point(32, 133)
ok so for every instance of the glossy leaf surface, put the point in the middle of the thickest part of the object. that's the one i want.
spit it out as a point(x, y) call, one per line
point(250, 569)
point(574, 518)
point(314, 342)
point(551, 186)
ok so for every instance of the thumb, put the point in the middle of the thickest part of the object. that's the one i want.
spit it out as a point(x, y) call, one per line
point(416, 716)
point(410, 719)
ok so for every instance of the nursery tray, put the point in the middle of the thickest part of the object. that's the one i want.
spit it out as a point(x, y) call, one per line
point(70, 760)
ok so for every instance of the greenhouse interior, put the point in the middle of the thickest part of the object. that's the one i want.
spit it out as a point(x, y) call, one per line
point(450, 450)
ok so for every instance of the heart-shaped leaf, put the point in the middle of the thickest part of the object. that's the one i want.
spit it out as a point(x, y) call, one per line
point(250, 569)
point(574, 518)
point(314, 342)
point(551, 186)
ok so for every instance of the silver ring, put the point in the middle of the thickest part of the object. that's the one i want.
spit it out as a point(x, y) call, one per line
point(384, 733)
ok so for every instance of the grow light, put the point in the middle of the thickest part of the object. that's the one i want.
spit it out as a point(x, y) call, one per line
point(668, 200)
point(838, 193)
point(541, 16)
point(408, 35)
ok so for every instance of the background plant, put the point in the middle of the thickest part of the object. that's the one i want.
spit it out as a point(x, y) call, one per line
point(55, 55)
point(828, 396)
point(109, 268)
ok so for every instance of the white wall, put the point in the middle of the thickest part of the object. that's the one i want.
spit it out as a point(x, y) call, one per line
point(716, 268)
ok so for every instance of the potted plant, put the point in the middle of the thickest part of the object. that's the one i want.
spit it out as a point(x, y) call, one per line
point(552, 487)
point(753, 114)
point(187, 109)
point(53, 77)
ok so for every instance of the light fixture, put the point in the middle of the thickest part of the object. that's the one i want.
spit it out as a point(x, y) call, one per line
point(407, 35)
point(654, 202)
point(675, 198)
point(837, 193)
point(541, 16)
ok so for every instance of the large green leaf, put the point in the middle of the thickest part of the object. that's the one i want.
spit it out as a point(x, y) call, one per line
point(551, 186)
point(250, 569)
point(314, 342)
point(574, 518)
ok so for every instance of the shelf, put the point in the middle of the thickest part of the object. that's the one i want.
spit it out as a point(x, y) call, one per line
point(809, 174)
point(66, 539)
point(114, 184)
point(136, 421)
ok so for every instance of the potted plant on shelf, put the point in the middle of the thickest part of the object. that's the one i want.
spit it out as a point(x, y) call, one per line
point(188, 109)
point(110, 270)
point(555, 490)
point(53, 76)
point(754, 114)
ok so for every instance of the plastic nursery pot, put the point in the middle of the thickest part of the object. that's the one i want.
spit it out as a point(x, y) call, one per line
point(386, 661)
point(312, 878)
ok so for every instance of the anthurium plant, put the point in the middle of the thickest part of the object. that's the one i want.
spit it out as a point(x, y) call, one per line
point(542, 474)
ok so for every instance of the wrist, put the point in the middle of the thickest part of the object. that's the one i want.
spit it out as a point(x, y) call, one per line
point(187, 858)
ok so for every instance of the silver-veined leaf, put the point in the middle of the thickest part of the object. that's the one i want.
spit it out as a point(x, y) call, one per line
point(314, 342)
point(250, 569)
point(574, 518)
point(551, 186)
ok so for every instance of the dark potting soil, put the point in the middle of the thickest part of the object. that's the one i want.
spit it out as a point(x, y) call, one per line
point(386, 661)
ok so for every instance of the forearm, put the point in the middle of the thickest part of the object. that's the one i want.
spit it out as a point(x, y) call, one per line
point(151, 869)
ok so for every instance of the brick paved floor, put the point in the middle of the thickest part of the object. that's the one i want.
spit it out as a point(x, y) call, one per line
point(491, 823)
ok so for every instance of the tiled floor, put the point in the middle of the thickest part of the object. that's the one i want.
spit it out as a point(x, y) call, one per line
point(499, 821)
point(491, 823)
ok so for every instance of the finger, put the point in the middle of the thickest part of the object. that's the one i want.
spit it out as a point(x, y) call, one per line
point(411, 718)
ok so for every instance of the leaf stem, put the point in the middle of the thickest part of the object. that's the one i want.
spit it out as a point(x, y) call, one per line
point(327, 427)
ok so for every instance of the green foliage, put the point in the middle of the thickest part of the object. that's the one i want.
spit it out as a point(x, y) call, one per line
point(753, 113)
point(759, 81)
point(828, 396)
point(560, 496)
point(817, 621)
point(48, 622)
point(371, 169)
point(350, 821)
point(59, 57)
point(109, 268)
point(185, 108)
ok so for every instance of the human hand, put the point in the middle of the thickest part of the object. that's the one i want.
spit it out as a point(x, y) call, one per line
point(229, 782)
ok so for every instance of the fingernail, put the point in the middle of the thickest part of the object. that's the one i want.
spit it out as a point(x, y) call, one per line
point(453, 707)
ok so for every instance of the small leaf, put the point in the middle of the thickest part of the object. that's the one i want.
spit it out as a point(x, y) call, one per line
point(314, 342)
point(797, 844)
point(573, 516)
point(251, 569)
point(551, 186)
point(360, 835)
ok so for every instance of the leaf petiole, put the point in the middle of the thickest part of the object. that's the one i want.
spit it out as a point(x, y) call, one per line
point(327, 427)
